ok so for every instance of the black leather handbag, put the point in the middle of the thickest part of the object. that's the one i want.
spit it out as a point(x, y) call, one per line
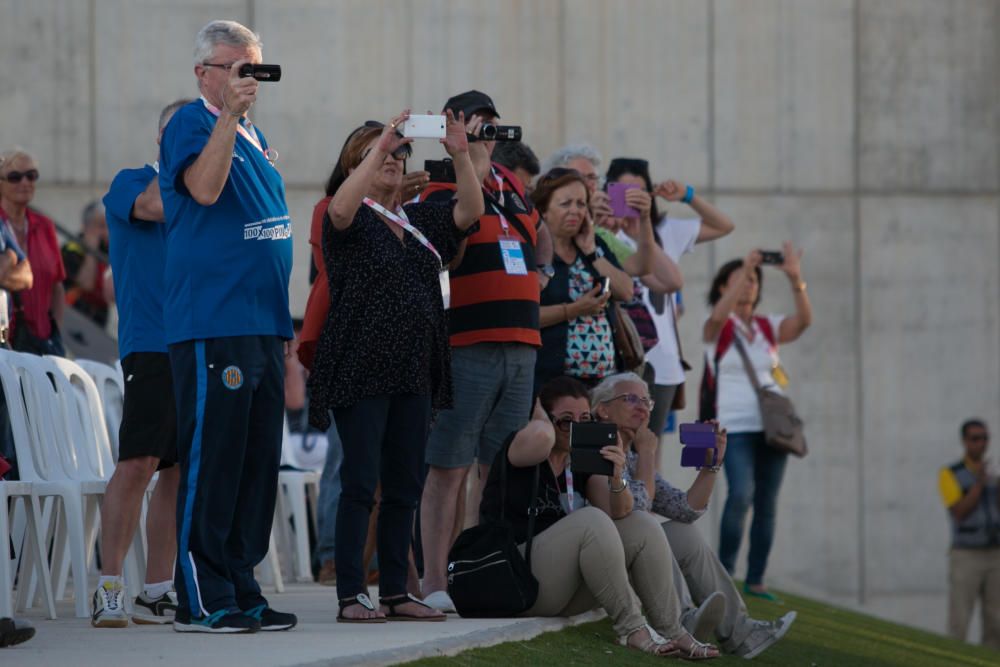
point(487, 576)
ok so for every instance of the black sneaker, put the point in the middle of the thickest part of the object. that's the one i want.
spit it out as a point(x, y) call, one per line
point(271, 620)
point(155, 611)
point(223, 621)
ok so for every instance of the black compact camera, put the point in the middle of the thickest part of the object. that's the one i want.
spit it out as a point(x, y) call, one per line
point(261, 72)
point(441, 171)
point(491, 132)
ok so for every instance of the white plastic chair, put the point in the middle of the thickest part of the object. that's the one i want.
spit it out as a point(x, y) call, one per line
point(111, 389)
point(50, 461)
point(32, 555)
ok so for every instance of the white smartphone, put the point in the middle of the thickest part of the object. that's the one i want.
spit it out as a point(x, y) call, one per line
point(423, 126)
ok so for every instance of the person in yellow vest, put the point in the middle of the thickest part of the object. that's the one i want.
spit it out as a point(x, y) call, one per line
point(972, 495)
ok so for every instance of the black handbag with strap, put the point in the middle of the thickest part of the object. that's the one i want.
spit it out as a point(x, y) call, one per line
point(487, 576)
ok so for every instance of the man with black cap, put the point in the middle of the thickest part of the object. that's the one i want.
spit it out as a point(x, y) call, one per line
point(493, 322)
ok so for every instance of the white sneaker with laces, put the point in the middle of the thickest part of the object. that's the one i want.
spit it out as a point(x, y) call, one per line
point(764, 635)
point(109, 606)
point(441, 601)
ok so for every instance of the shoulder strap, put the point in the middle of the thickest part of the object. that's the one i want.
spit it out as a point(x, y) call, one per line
point(532, 506)
point(746, 362)
point(766, 329)
point(532, 513)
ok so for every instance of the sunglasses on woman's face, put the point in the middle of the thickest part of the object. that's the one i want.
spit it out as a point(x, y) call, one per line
point(401, 153)
point(16, 176)
point(563, 423)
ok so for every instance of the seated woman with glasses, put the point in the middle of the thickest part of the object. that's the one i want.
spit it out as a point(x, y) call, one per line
point(576, 329)
point(590, 549)
point(623, 400)
point(382, 362)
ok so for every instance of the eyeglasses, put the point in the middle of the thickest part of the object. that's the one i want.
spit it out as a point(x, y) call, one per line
point(563, 423)
point(225, 66)
point(634, 400)
point(16, 176)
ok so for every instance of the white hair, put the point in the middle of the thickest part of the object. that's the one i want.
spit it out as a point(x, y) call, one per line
point(222, 32)
point(14, 153)
point(563, 156)
point(608, 388)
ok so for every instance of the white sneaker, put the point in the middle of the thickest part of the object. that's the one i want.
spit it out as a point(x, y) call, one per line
point(764, 635)
point(703, 621)
point(441, 601)
point(109, 606)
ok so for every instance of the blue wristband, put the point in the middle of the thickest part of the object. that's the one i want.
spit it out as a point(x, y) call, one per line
point(688, 195)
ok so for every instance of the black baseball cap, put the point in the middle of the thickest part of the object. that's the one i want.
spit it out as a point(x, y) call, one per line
point(470, 102)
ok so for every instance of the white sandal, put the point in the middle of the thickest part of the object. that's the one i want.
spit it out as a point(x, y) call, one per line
point(655, 645)
point(697, 651)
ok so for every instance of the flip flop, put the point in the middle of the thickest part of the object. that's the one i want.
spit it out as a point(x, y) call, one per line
point(395, 600)
point(365, 602)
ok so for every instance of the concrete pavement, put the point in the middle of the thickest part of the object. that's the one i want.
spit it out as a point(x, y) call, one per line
point(317, 641)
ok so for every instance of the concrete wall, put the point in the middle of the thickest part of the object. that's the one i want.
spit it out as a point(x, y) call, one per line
point(865, 131)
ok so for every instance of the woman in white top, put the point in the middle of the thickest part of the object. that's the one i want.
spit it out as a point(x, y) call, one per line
point(753, 469)
point(675, 237)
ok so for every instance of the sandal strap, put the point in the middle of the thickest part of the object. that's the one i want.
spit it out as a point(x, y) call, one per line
point(361, 599)
point(394, 601)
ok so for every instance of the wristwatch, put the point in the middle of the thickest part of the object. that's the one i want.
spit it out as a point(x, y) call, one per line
point(596, 255)
point(620, 489)
point(546, 270)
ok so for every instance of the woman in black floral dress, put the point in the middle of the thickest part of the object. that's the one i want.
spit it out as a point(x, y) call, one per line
point(383, 362)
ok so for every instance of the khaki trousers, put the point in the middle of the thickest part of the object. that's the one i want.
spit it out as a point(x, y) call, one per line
point(974, 574)
point(586, 560)
point(704, 574)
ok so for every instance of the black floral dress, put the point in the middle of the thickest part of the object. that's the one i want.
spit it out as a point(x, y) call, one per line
point(387, 330)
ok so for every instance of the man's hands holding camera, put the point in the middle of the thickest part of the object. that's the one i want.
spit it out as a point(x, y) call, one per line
point(240, 92)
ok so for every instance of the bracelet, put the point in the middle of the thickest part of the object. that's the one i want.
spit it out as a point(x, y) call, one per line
point(801, 287)
point(614, 490)
point(711, 468)
point(688, 195)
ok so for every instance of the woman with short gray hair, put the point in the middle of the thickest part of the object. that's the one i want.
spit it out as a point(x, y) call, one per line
point(624, 400)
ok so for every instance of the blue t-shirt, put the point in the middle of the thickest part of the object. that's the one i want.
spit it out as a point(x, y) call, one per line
point(228, 264)
point(138, 250)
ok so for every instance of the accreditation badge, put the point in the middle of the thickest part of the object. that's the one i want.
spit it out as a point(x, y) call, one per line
point(513, 257)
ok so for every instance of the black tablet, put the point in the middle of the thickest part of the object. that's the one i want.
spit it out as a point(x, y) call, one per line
point(586, 440)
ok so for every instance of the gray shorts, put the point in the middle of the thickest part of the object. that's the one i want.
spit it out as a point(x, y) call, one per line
point(492, 387)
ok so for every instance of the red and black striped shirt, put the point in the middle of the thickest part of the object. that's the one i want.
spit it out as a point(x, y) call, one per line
point(488, 305)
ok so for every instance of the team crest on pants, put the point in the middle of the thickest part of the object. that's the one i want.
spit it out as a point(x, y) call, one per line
point(232, 377)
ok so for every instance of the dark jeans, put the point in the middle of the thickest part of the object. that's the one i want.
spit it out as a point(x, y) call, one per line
point(754, 472)
point(384, 440)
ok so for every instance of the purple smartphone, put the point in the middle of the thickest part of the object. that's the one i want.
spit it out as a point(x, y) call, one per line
point(616, 193)
point(697, 457)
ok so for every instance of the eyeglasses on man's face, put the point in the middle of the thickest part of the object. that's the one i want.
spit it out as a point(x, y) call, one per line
point(17, 176)
point(563, 423)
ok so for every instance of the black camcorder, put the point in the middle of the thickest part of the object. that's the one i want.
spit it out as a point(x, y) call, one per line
point(440, 171)
point(491, 132)
point(261, 72)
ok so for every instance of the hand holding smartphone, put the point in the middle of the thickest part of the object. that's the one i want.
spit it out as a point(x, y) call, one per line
point(425, 126)
point(586, 439)
point(619, 207)
point(700, 449)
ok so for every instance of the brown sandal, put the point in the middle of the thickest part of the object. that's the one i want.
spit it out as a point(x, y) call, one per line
point(365, 602)
point(396, 600)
